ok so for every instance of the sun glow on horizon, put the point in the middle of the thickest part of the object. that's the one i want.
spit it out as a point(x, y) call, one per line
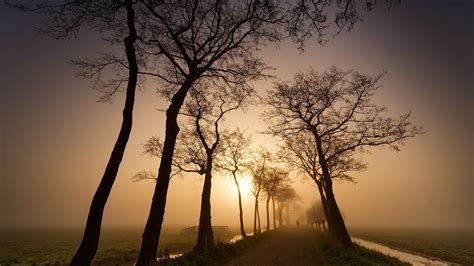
point(245, 183)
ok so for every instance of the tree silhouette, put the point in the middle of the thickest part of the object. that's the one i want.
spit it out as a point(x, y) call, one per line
point(317, 19)
point(64, 20)
point(299, 152)
point(336, 108)
point(315, 215)
point(235, 153)
point(207, 112)
point(258, 168)
point(284, 196)
point(272, 181)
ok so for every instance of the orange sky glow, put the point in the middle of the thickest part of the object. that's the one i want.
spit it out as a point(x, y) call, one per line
point(56, 139)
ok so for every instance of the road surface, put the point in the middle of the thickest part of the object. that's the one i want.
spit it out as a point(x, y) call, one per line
point(286, 247)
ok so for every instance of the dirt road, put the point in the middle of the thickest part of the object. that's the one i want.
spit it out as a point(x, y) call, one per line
point(287, 247)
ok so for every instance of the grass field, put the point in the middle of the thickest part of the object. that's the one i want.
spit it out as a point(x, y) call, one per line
point(116, 246)
point(450, 245)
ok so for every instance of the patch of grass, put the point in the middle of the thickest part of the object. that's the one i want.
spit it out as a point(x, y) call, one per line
point(451, 245)
point(332, 254)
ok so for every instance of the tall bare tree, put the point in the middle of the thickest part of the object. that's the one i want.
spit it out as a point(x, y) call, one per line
point(64, 19)
point(234, 158)
point(207, 113)
point(258, 168)
point(299, 152)
point(273, 179)
point(336, 108)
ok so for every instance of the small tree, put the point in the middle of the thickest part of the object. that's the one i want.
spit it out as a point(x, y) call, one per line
point(284, 196)
point(315, 215)
point(272, 181)
point(235, 153)
point(258, 168)
point(336, 108)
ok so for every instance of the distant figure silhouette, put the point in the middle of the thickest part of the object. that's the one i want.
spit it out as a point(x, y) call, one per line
point(297, 224)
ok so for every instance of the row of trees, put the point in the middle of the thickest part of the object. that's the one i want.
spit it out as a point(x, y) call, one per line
point(230, 154)
point(187, 45)
point(270, 183)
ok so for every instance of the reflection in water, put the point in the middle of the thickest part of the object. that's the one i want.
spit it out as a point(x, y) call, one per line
point(404, 256)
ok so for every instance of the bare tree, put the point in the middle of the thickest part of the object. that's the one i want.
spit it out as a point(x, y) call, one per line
point(284, 196)
point(272, 181)
point(317, 19)
point(258, 168)
point(299, 152)
point(235, 153)
point(190, 156)
point(64, 19)
point(315, 215)
point(207, 112)
point(336, 108)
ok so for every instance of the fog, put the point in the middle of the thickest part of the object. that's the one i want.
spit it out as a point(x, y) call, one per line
point(56, 139)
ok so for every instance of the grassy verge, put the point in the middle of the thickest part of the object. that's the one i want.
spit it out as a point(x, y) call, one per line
point(332, 254)
point(449, 245)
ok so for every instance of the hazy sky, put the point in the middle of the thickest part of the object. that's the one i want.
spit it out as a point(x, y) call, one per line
point(55, 138)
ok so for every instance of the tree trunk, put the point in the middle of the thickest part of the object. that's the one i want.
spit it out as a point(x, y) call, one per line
point(205, 236)
point(280, 215)
point(288, 214)
point(90, 241)
point(325, 205)
point(241, 212)
point(273, 208)
point(339, 228)
point(258, 219)
point(256, 216)
point(151, 234)
point(255, 210)
point(268, 213)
